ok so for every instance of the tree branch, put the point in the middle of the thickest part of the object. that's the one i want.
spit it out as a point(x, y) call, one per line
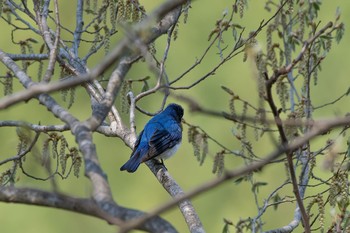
point(86, 206)
point(289, 154)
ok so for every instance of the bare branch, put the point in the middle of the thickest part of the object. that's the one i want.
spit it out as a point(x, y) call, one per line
point(78, 27)
point(35, 57)
point(289, 155)
point(115, 215)
point(54, 47)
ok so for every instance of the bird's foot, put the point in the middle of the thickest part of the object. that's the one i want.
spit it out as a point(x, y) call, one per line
point(160, 162)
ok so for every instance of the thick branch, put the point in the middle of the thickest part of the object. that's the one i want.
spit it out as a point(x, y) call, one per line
point(86, 206)
point(175, 191)
point(48, 199)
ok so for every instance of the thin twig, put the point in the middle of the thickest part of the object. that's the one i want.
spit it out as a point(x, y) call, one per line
point(21, 154)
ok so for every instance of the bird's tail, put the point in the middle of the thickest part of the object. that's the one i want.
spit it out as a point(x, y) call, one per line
point(134, 162)
point(131, 165)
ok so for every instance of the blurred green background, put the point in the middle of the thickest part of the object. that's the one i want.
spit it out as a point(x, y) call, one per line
point(141, 190)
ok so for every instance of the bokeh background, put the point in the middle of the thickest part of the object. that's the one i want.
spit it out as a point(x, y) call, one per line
point(141, 190)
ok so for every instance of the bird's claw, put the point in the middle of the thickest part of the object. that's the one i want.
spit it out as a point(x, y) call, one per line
point(160, 162)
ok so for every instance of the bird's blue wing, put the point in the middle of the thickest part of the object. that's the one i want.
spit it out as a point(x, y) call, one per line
point(161, 141)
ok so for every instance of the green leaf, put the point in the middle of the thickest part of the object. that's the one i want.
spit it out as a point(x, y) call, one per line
point(276, 199)
point(226, 226)
point(256, 186)
point(339, 33)
point(239, 180)
point(145, 86)
point(225, 229)
point(228, 90)
point(348, 150)
point(348, 91)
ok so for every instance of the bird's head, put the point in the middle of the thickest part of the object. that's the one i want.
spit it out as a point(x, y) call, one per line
point(176, 111)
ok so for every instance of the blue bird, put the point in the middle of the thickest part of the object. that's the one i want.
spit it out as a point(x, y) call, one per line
point(160, 138)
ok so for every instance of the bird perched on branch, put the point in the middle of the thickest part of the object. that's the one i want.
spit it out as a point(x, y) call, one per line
point(160, 138)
